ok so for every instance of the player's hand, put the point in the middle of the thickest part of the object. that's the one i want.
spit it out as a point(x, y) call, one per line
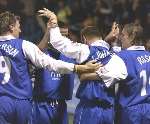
point(49, 14)
point(113, 34)
point(115, 29)
point(45, 12)
point(92, 66)
point(89, 67)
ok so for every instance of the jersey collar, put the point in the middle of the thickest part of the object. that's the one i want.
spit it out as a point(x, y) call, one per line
point(136, 48)
point(6, 37)
point(101, 43)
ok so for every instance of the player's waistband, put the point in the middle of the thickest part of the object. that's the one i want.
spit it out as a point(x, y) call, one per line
point(101, 103)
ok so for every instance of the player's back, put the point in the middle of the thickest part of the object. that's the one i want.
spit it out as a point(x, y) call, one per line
point(95, 89)
point(14, 76)
point(135, 89)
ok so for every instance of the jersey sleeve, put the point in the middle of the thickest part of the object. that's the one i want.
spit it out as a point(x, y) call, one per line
point(40, 59)
point(77, 51)
point(114, 70)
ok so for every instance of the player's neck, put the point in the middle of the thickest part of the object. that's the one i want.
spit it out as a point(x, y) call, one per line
point(92, 40)
point(6, 34)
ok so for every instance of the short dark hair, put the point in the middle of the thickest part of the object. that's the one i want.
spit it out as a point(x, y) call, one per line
point(62, 24)
point(135, 33)
point(7, 19)
point(91, 31)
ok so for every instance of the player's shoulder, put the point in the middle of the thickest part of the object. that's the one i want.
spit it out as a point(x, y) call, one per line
point(124, 54)
point(27, 43)
point(100, 48)
point(16, 40)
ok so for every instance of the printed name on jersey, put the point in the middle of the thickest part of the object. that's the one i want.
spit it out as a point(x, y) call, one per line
point(9, 49)
point(143, 59)
point(101, 55)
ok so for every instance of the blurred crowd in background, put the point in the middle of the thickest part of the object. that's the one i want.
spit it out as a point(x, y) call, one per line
point(77, 14)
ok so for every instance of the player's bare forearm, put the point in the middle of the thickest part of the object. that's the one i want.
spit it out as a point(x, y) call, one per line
point(44, 42)
point(89, 76)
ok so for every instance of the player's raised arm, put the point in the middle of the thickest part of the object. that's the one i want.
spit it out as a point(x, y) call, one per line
point(113, 34)
point(44, 42)
point(78, 51)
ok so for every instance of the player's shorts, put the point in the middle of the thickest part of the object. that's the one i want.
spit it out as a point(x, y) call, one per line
point(14, 111)
point(50, 112)
point(94, 112)
point(138, 114)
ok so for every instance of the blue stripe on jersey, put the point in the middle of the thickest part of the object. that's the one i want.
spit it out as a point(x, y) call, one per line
point(14, 77)
point(94, 89)
point(135, 89)
point(52, 85)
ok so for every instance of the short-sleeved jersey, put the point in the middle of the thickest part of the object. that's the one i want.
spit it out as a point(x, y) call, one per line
point(53, 85)
point(135, 89)
point(14, 77)
point(95, 89)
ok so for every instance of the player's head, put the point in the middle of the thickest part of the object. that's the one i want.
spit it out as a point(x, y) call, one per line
point(148, 45)
point(131, 35)
point(9, 24)
point(90, 34)
point(74, 33)
point(63, 28)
